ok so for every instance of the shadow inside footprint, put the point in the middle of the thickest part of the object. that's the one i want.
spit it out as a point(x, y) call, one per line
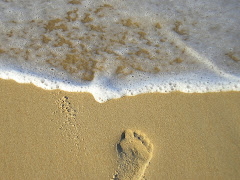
point(119, 148)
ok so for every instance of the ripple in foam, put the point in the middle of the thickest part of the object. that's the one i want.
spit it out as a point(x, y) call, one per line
point(117, 49)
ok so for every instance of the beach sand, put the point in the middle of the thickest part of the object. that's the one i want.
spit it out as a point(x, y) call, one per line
point(62, 135)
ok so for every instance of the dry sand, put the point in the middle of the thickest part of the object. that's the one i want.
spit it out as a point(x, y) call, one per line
point(62, 135)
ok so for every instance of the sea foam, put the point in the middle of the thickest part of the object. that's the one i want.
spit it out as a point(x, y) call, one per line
point(121, 48)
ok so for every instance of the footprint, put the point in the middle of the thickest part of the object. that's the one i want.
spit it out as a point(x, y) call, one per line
point(135, 153)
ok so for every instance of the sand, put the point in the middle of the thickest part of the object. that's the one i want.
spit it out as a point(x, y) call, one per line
point(61, 135)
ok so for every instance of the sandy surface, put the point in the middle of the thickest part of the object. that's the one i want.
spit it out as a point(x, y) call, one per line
point(61, 135)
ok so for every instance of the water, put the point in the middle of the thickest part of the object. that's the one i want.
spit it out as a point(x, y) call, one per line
point(117, 48)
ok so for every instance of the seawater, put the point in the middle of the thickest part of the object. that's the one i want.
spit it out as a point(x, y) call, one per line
point(121, 48)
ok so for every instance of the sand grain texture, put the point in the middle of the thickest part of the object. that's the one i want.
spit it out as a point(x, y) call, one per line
point(61, 135)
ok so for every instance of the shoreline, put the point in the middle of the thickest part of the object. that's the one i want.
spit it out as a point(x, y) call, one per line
point(104, 92)
point(56, 134)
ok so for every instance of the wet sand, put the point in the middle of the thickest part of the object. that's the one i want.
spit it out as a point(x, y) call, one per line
point(62, 135)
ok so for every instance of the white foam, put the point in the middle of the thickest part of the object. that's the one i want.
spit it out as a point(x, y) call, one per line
point(118, 50)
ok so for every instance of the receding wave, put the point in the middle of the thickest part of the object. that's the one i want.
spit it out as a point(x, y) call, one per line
point(117, 48)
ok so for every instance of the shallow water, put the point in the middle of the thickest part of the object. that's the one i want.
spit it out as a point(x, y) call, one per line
point(117, 48)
